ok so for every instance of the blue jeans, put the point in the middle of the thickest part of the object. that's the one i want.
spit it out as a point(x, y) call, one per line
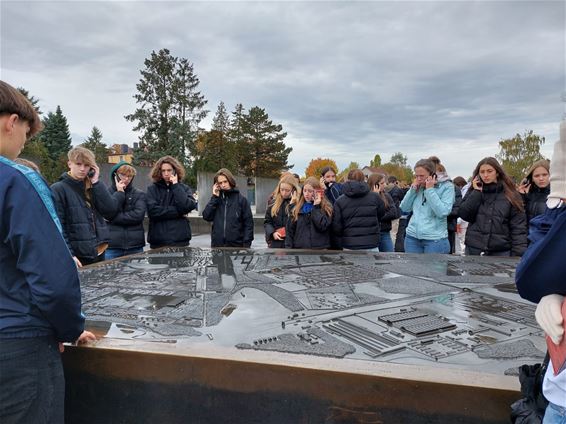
point(116, 253)
point(385, 242)
point(554, 414)
point(413, 245)
point(32, 381)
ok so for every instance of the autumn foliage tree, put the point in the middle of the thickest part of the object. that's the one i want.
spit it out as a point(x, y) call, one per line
point(315, 167)
point(517, 154)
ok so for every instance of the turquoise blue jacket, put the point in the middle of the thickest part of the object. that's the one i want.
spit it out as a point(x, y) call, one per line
point(430, 209)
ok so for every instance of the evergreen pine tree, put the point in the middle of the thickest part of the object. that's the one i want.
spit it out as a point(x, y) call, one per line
point(221, 121)
point(56, 135)
point(94, 144)
point(266, 152)
point(170, 108)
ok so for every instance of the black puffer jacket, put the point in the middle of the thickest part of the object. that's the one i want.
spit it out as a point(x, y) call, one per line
point(356, 215)
point(126, 226)
point(397, 194)
point(535, 201)
point(84, 227)
point(310, 231)
point(494, 224)
point(271, 223)
point(452, 219)
point(391, 212)
point(232, 219)
point(167, 206)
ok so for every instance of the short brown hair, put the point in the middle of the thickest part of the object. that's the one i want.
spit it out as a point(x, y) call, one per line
point(128, 170)
point(227, 174)
point(81, 154)
point(14, 102)
point(156, 170)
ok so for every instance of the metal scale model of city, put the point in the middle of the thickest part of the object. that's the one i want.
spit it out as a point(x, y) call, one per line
point(241, 336)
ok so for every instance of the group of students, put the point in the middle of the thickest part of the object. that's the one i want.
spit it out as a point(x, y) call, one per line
point(324, 214)
point(358, 214)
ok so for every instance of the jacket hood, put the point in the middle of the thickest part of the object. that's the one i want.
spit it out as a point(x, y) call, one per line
point(355, 188)
point(442, 177)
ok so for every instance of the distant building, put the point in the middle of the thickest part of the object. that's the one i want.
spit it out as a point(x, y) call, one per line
point(121, 152)
point(368, 170)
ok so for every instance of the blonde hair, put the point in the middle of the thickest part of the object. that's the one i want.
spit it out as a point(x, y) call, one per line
point(278, 199)
point(81, 154)
point(325, 205)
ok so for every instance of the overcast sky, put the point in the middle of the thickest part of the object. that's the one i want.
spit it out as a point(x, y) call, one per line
point(346, 80)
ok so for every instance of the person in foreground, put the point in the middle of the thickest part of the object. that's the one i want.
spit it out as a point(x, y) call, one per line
point(541, 277)
point(40, 298)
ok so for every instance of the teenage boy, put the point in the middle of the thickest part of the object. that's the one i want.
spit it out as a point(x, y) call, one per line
point(40, 298)
point(82, 203)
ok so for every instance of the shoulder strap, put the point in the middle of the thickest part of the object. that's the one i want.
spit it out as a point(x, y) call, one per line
point(40, 186)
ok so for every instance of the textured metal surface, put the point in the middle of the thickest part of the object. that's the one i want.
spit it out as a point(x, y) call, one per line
point(395, 322)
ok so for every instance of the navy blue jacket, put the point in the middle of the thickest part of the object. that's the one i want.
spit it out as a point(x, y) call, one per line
point(84, 226)
point(232, 219)
point(39, 284)
point(543, 266)
point(356, 216)
point(333, 192)
point(310, 231)
point(126, 226)
point(167, 206)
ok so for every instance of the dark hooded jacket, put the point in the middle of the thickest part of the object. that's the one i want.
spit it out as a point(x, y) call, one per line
point(167, 205)
point(83, 221)
point(232, 219)
point(356, 215)
point(452, 219)
point(311, 230)
point(535, 201)
point(126, 226)
point(272, 223)
point(495, 225)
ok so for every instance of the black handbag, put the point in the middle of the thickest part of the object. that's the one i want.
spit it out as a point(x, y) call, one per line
point(530, 409)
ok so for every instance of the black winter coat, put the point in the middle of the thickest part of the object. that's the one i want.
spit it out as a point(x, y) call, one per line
point(391, 212)
point(84, 227)
point(310, 231)
point(126, 226)
point(232, 219)
point(452, 219)
point(494, 224)
point(397, 194)
point(356, 215)
point(167, 206)
point(535, 201)
point(271, 223)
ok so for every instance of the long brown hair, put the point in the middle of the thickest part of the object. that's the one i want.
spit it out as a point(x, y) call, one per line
point(511, 194)
point(156, 170)
point(278, 199)
point(324, 204)
point(373, 180)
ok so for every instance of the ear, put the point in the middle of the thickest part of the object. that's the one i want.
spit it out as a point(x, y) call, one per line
point(9, 122)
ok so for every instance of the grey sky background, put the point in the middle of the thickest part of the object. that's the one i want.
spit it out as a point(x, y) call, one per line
point(346, 80)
